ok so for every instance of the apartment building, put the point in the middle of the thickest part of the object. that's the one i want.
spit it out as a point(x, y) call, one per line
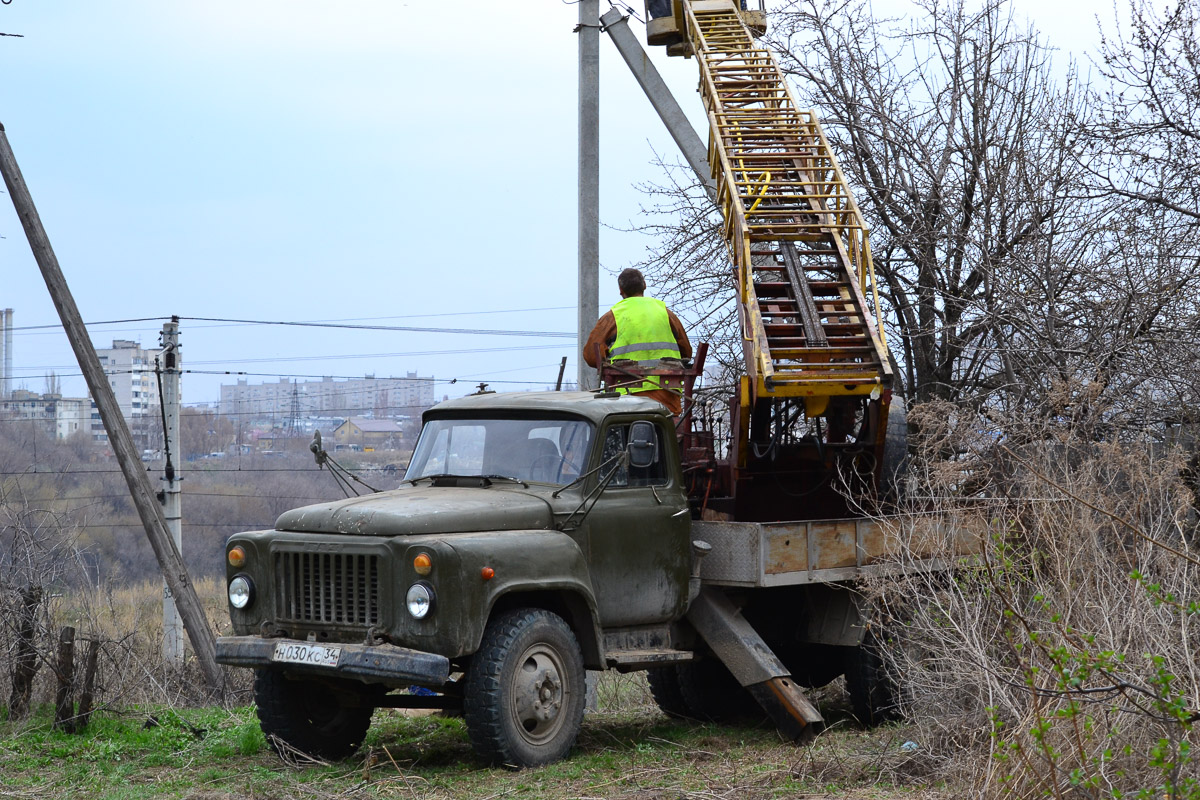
point(56, 416)
point(130, 371)
point(356, 397)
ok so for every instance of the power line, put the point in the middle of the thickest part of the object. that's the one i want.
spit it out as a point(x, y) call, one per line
point(392, 328)
point(459, 351)
point(435, 381)
point(327, 325)
point(58, 325)
point(39, 368)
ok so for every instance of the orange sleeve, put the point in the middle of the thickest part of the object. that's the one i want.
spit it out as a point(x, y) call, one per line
point(681, 337)
point(604, 334)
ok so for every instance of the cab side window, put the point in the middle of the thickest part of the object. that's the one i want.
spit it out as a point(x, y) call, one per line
point(615, 441)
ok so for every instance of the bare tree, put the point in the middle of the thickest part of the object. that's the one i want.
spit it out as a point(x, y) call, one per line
point(959, 139)
point(204, 432)
point(1142, 157)
point(1011, 284)
point(1149, 135)
point(36, 551)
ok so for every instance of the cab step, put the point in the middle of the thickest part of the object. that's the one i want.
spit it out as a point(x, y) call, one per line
point(630, 660)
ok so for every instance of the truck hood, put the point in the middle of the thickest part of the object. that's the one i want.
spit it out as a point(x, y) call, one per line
point(423, 510)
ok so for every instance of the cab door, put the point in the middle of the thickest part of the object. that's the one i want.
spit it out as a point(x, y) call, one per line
point(638, 535)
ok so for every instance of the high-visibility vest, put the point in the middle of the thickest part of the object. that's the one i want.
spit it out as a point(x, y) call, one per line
point(643, 334)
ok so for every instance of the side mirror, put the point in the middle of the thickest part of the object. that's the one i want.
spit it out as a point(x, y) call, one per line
point(643, 444)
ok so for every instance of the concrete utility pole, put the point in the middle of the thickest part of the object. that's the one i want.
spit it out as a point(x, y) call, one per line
point(589, 181)
point(170, 365)
point(119, 437)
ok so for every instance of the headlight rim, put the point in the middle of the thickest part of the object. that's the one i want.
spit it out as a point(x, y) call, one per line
point(249, 591)
point(430, 600)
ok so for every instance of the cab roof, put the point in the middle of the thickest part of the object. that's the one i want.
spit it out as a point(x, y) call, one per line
point(592, 405)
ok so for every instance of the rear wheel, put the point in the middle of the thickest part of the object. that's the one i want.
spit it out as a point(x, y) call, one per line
point(321, 719)
point(871, 684)
point(664, 688)
point(710, 692)
point(811, 665)
point(524, 698)
point(893, 471)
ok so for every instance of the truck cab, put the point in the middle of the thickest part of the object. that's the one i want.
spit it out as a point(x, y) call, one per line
point(556, 524)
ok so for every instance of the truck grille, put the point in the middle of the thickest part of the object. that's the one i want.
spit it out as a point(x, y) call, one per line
point(341, 588)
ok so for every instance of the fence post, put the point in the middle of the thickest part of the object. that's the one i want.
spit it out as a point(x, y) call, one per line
point(25, 665)
point(87, 691)
point(64, 701)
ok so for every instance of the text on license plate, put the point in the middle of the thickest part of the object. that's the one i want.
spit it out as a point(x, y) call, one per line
point(295, 653)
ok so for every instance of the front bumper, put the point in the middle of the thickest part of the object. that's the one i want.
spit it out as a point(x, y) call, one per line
point(383, 663)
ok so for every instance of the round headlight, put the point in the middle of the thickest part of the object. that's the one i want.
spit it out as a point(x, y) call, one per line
point(241, 592)
point(419, 600)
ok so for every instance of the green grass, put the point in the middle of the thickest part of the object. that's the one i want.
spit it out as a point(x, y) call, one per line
point(630, 750)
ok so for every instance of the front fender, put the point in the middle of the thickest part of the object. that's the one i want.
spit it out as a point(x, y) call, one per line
point(549, 564)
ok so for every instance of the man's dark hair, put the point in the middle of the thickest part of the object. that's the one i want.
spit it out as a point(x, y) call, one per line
point(631, 282)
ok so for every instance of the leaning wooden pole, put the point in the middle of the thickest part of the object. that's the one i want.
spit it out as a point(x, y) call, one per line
point(119, 437)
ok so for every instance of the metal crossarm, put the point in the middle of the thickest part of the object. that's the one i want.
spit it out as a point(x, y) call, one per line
point(797, 240)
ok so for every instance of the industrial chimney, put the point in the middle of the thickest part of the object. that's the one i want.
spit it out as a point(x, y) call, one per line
point(6, 353)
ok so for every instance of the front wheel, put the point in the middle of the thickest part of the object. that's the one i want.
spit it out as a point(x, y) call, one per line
point(318, 718)
point(524, 697)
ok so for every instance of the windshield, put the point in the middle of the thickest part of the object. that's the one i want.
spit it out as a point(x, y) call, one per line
point(542, 450)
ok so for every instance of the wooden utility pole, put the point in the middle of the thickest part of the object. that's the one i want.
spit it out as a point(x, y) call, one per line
point(119, 437)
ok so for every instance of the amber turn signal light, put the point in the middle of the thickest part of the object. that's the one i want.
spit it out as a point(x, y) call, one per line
point(423, 564)
point(237, 556)
point(487, 573)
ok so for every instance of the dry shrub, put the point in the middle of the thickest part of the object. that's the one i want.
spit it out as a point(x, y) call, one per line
point(127, 621)
point(1063, 658)
point(69, 533)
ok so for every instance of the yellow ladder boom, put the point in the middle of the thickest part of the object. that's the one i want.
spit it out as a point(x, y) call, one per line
point(797, 239)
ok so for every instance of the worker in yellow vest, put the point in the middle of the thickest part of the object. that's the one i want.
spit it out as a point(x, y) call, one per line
point(640, 329)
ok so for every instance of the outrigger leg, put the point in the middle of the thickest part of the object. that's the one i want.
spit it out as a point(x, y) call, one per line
point(751, 661)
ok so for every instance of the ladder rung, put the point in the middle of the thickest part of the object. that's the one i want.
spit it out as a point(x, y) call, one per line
point(795, 353)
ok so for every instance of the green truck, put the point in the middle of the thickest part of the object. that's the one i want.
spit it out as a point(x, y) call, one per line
point(536, 536)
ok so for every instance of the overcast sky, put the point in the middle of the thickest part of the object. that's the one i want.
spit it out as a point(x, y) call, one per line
point(376, 162)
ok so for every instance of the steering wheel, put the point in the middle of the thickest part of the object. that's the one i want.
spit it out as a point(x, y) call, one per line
point(551, 467)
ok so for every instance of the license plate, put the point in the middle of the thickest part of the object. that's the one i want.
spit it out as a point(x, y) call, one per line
point(315, 654)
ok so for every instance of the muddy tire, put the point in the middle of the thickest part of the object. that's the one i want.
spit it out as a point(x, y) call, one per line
point(811, 665)
point(524, 696)
point(667, 694)
point(893, 473)
point(310, 716)
point(710, 692)
point(873, 690)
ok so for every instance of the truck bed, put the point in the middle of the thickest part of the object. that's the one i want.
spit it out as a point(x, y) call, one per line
point(753, 554)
